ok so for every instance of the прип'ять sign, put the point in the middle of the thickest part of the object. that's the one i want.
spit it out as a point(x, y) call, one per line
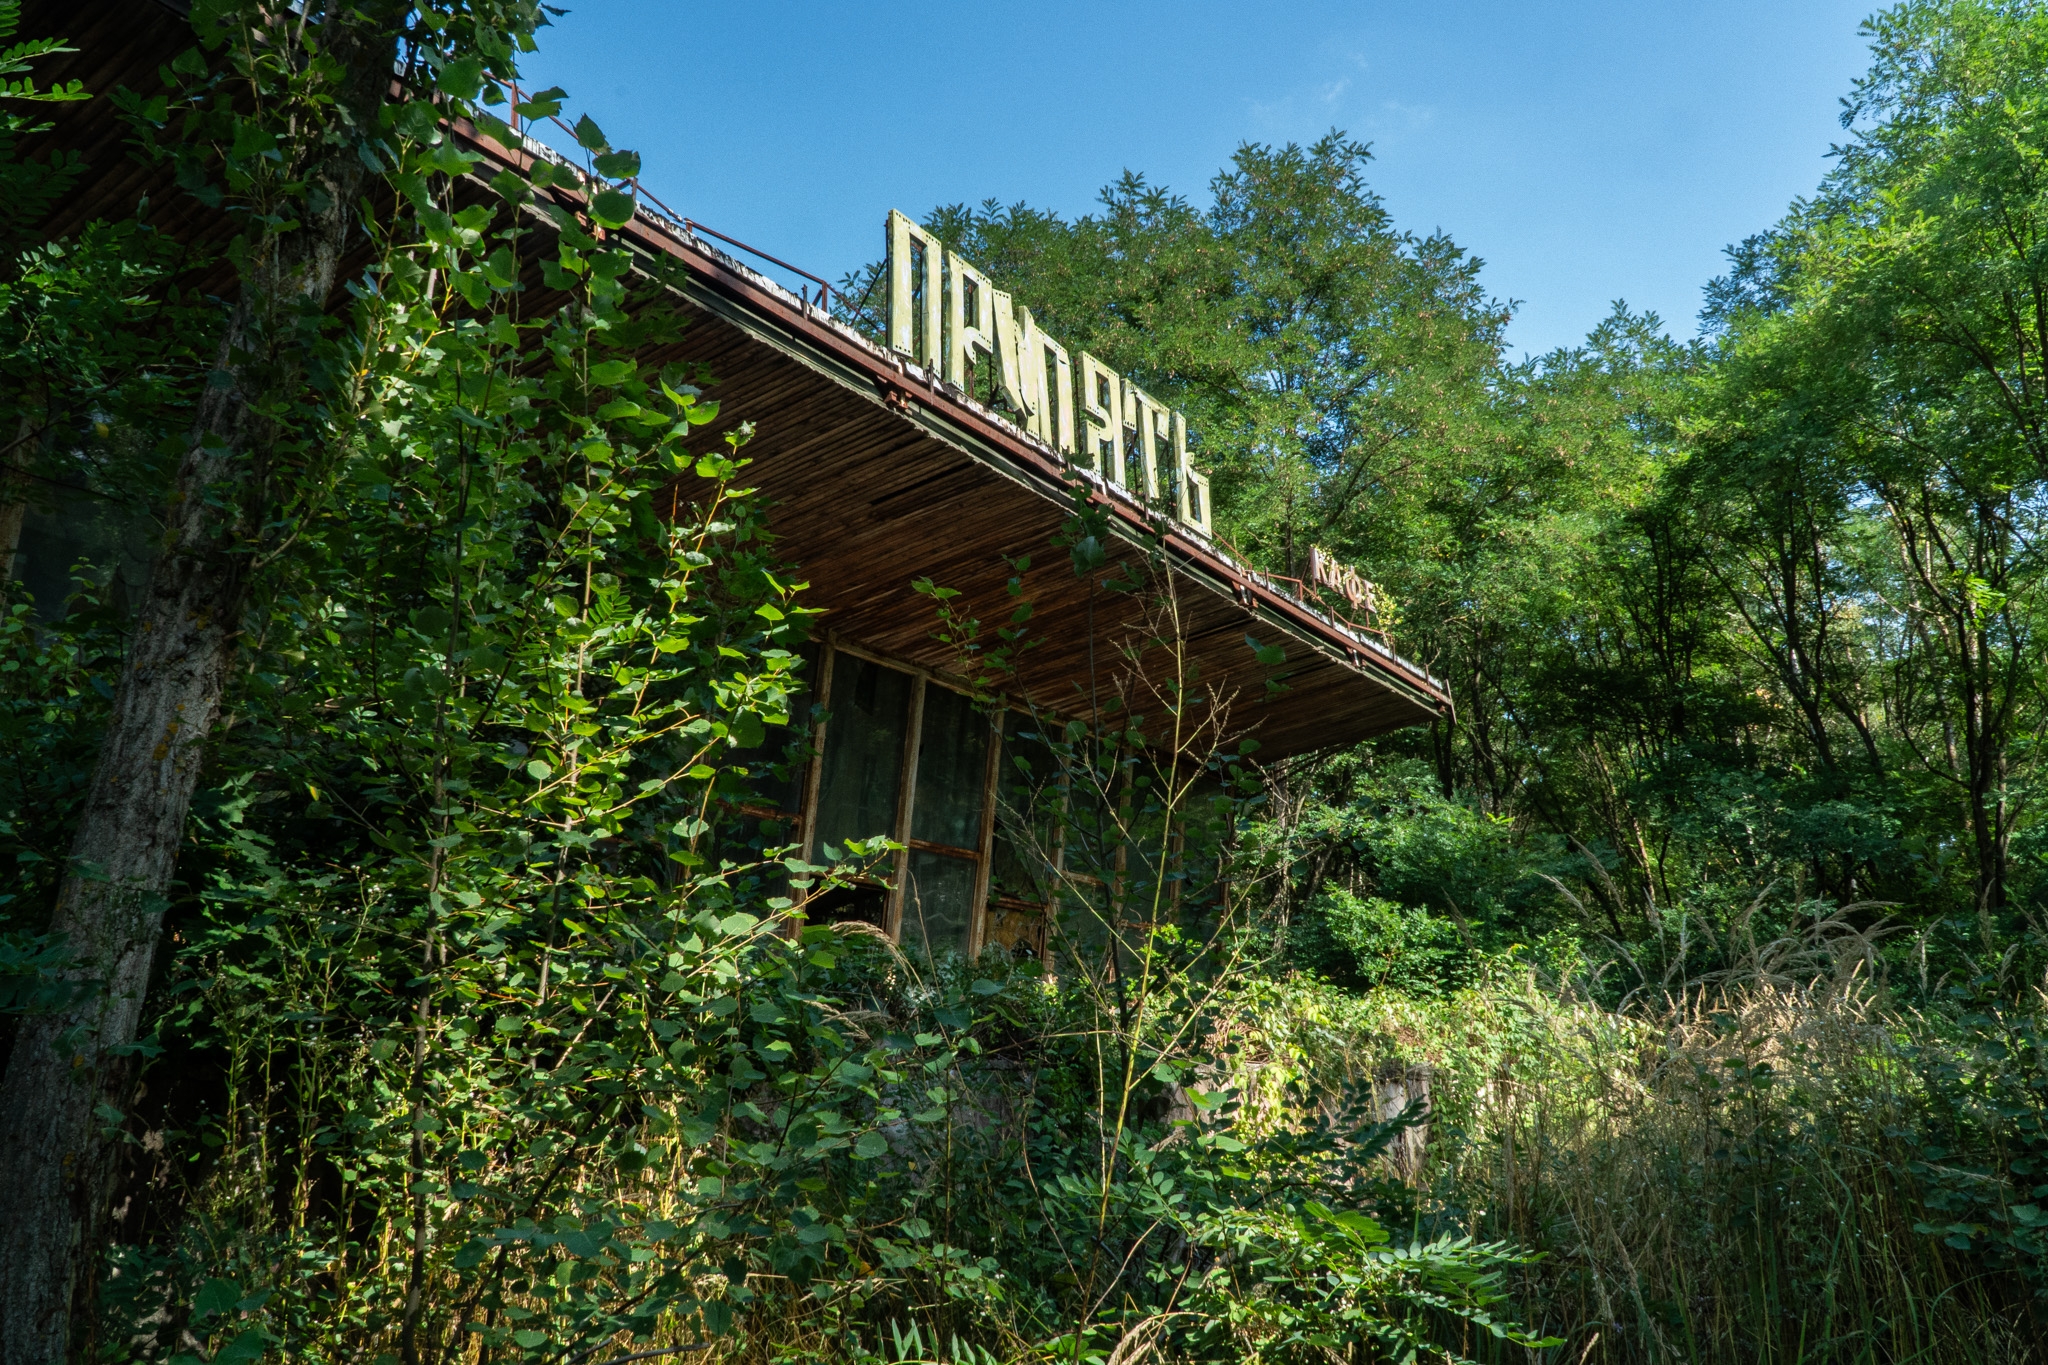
point(946, 316)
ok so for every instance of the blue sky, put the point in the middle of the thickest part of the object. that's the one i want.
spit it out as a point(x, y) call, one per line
point(1587, 152)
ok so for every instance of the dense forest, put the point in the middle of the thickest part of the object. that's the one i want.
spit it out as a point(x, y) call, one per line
point(393, 967)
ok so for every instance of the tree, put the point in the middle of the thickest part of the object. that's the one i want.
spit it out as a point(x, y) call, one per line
point(280, 122)
point(1885, 371)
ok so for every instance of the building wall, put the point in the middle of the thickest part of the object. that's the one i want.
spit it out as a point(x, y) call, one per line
point(1005, 827)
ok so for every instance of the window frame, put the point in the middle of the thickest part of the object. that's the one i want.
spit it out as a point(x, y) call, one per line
point(830, 648)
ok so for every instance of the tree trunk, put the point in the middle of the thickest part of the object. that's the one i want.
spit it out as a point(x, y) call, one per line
point(70, 1077)
point(1395, 1086)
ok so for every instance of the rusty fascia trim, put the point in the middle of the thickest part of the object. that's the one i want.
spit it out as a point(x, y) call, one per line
point(749, 300)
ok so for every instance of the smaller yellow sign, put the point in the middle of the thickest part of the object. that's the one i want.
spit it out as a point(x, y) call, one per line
point(1325, 571)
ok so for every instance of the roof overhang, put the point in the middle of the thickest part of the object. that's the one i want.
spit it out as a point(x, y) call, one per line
point(876, 474)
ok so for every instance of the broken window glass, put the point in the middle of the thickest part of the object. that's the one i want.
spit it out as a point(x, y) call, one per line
point(862, 902)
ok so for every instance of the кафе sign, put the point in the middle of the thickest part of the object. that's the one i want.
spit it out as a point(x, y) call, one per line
point(946, 316)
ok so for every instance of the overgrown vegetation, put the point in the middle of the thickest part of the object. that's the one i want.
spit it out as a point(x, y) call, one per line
point(1711, 926)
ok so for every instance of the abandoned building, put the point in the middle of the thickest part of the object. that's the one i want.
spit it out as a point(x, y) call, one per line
point(879, 467)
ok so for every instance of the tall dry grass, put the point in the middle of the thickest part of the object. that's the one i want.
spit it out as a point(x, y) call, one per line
point(1728, 1178)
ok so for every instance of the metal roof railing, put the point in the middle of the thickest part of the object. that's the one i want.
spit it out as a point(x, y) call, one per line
point(824, 299)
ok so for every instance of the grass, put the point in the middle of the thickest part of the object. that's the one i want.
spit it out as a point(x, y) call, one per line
point(1731, 1179)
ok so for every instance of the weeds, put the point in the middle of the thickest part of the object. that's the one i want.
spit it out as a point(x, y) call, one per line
point(1758, 1173)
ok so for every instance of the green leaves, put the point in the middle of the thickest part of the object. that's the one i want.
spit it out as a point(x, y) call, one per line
point(215, 1297)
point(542, 104)
point(462, 78)
point(509, 692)
point(1355, 1226)
point(35, 975)
point(1330, 1278)
point(251, 1345)
point(611, 208)
point(1269, 656)
point(617, 165)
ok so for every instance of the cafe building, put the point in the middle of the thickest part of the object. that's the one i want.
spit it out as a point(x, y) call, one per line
point(951, 449)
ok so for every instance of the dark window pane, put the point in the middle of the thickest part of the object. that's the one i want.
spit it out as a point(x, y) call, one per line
point(782, 786)
point(1153, 842)
point(1020, 869)
point(938, 904)
point(1205, 828)
point(952, 764)
point(1092, 831)
point(1027, 813)
point(1084, 939)
point(863, 759)
point(764, 815)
